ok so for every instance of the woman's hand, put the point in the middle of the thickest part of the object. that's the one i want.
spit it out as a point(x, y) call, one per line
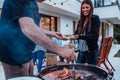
point(57, 35)
point(74, 37)
point(70, 37)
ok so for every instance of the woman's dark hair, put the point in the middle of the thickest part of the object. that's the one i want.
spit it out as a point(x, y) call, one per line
point(82, 17)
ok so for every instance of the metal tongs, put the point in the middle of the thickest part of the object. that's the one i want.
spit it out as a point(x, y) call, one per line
point(73, 69)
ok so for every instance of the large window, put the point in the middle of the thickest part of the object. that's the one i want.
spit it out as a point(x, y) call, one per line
point(49, 22)
point(102, 3)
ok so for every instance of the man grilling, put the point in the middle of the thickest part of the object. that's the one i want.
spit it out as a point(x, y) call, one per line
point(19, 33)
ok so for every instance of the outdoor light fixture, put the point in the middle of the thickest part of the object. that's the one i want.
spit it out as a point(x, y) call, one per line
point(62, 2)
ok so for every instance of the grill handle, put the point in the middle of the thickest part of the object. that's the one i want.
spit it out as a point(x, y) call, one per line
point(73, 69)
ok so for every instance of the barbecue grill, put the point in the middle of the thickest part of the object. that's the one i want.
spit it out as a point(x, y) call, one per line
point(97, 72)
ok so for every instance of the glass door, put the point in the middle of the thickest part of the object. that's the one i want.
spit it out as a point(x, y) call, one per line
point(45, 23)
point(49, 22)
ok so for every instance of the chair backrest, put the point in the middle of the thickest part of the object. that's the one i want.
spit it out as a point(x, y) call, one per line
point(104, 52)
point(109, 45)
point(105, 48)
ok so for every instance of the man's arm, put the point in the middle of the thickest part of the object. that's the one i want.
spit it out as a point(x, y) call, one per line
point(49, 33)
point(54, 34)
point(34, 33)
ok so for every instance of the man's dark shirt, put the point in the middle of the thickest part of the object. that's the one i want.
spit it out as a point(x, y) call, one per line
point(15, 47)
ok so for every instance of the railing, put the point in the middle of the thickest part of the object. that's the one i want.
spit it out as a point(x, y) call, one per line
point(104, 3)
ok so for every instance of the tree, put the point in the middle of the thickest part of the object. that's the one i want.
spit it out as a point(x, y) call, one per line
point(117, 33)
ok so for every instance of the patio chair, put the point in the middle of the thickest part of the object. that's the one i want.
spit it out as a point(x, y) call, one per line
point(104, 53)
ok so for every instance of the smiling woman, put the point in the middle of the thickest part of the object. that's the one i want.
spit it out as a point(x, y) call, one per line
point(87, 31)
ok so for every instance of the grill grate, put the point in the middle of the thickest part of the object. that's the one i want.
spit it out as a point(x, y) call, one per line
point(97, 73)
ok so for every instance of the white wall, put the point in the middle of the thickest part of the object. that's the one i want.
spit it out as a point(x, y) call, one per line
point(108, 12)
point(66, 25)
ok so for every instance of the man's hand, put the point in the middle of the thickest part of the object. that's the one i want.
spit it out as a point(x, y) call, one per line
point(68, 54)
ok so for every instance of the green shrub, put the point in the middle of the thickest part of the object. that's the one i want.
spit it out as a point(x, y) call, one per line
point(117, 54)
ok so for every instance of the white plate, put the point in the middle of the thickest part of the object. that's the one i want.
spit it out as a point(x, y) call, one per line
point(25, 78)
